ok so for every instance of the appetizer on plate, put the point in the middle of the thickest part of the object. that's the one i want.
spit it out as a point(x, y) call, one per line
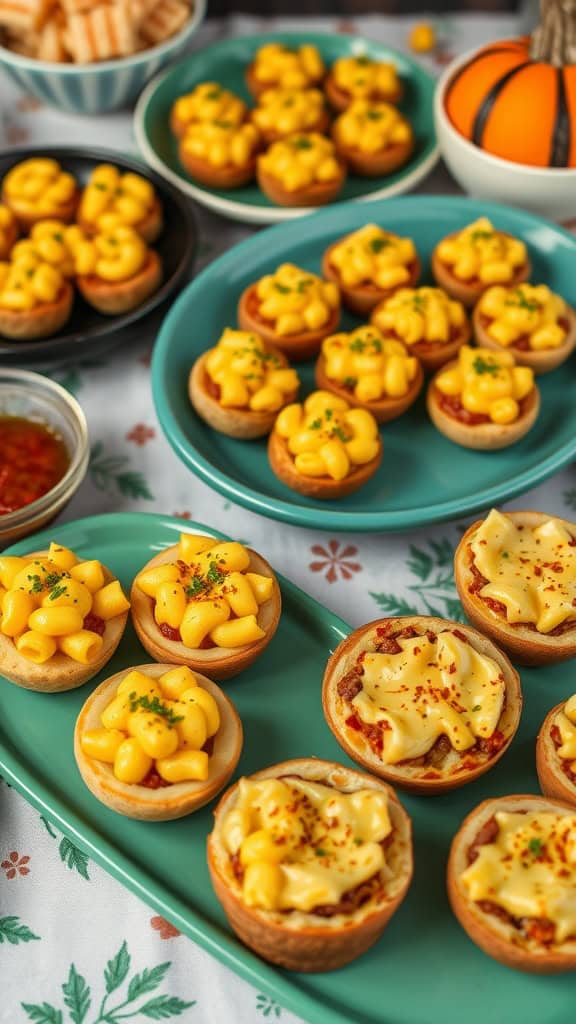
point(38, 188)
point(362, 78)
point(116, 271)
point(220, 154)
point(310, 860)
point(530, 321)
point(370, 372)
point(556, 752)
point(431, 324)
point(301, 170)
point(467, 262)
point(8, 231)
point(62, 618)
point(279, 67)
point(282, 112)
point(291, 309)
point(208, 101)
point(370, 265)
point(35, 299)
point(324, 448)
point(373, 138)
point(425, 703)
point(516, 577)
point(483, 400)
point(239, 386)
point(212, 605)
point(511, 880)
point(112, 199)
point(157, 742)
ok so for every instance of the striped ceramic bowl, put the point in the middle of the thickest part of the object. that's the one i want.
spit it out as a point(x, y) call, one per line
point(96, 88)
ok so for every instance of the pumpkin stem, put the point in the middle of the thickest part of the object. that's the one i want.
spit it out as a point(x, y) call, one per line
point(554, 40)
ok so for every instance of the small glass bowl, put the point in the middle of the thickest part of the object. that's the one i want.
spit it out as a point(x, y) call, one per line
point(35, 397)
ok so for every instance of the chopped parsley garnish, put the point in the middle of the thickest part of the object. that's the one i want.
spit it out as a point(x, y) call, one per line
point(521, 302)
point(214, 574)
point(535, 846)
point(482, 365)
point(376, 344)
point(377, 244)
point(316, 424)
point(155, 707)
point(303, 284)
point(357, 345)
point(320, 852)
point(100, 186)
point(350, 382)
point(282, 288)
point(52, 579)
point(57, 592)
point(339, 433)
point(478, 235)
point(358, 841)
point(504, 554)
point(196, 587)
point(476, 707)
point(328, 414)
point(301, 143)
point(374, 115)
point(58, 236)
point(363, 60)
point(214, 94)
point(36, 587)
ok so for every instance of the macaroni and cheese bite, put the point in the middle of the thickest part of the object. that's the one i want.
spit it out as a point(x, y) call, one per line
point(301, 170)
point(516, 577)
point(324, 448)
point(291, 309)
point(370, 372)
point(62, 618)
point(208, 101)
point(425, 703)
point(310, 860)
point(373, 138)
point(113, 199)
point(431, 324)
point(483, 400)
point(116, 271)
point(35, 299)
point(511, 880)
point(530, 321)
point(467, 262)
point(221, 153)
point(369, 266)
point(276, 66)
point(157, 742)
point(282, 112)
point(38, 188)
point(9, 231)
point(361, 78)
point(556, 752)
point(211, 605)
point(239, 386)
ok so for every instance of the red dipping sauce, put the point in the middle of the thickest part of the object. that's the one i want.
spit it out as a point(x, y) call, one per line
point(33, 459)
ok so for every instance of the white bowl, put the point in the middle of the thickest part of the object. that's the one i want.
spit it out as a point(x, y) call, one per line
point(548, 191)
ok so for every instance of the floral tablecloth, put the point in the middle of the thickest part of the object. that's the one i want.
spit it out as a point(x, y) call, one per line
point(76, 947)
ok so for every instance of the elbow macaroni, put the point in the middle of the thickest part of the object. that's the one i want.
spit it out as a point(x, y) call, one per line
point(368, 365)
point(115, 256)
point(302, 160)
point(325, 437)
point(530, 314)
point(112, 199)
point(209, 101)
point(487, 384)
point(247, 376)
point(371, 127)
point(282, 112)
point(363, 78)
point(420, 315)
point(276, 65)
point(38, 188)
point(480, 252)
point(221, 143)
point(374, 256)
point(295, 301)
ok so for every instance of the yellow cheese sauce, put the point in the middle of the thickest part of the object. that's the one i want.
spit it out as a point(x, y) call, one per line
point(528, 313)
point(486, 384)
point(302, 160)
point(327, 438)
point(115, 256)
point(38, 188)
point(418, 315)
point(371, 127)
point(294, 300)
point(28, 284)
point(284, 111)
point(221, 143)
point(375, 256)
point(302, 844)
point(482, 253)
point(209, 101)
point(111, 199)
point(247, 375)
point(565, 722)
point(277, 65)
point(530, 572)
point(364, 78)
point(370, 366)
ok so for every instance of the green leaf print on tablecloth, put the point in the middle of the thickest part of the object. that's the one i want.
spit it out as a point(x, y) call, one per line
point(12, 931)
point(78, 996)
point(570, 498)
point(70, 854)
point(109, 472)
point(435, 593)
point(267, 1006)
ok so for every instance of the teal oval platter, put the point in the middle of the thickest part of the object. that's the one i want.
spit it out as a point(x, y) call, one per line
point(424, 969)
point(424, 477)
point(226, 63)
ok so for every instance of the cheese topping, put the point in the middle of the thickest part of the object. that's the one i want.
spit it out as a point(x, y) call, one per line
point(375, 256)
point(370, 366)
point(420, 314)
point(531, 571)
point(38, 187)
point(530, 312)
point(28, 283)
point(370, 127)
point(529, 869)
point(116, 255)
point(221, 143)
point(46, 244)
point(209, 101)
point(275, 64)
point(111, 199)
point(565, 722)
point(432, 688)
point(295, 300)
point(480, 252)
point(303, 844)
point(248, 376)
point(326, 437)
point(302, 160)
point(284, 111)
point(365, 78)
point(487, 383)
point(207, 594)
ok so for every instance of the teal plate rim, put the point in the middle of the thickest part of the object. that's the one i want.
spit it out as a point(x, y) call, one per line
point(290, 510)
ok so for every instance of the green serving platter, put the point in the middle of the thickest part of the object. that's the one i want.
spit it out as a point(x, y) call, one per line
point(424, 478)
point(424, 969)
point(226, 63)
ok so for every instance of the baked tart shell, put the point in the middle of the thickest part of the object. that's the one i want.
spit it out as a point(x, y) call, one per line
point(308, 942)
point(541, 360)
point(554, 782)
point(469, 292)
point(295, 346)
point(385, 408)
point(340, 99)
point(65, 212)
point(375, 165)
point(323, 488)
point(317, 194)
point(229, 176)
point(362, 298)
point(45, 319)
point(166, 802)
point(149, 228)
point(112, 297)
point(434, 354)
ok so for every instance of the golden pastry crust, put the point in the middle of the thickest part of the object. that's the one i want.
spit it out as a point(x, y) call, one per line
point(385, 408)
point(149, 228)
point(295, 346)
point(113, 297)
point(468, 292)
point(430, 777)
point(433, 354)
point(554, 782)
point(527, 646)
point(45, 319)
point(60, 672)
point(317, 194)
point(229, 176)
point(309, 942)
point(375, 165)
point(64, 212)
point(340, 99)
point(540, 360)
point(362, 298)
point(176, 799)
point(244, 424)
point(218, 662)
point(498, 938)
point(323, 488)
point(481, 436)
point(321, 126)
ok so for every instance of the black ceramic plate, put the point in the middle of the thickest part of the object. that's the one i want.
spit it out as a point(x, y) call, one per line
point(88, 332)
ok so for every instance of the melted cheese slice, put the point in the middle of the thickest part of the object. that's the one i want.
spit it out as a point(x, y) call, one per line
point(430, 689)
point(532, 572)
point(323, 842)
point(530, 869)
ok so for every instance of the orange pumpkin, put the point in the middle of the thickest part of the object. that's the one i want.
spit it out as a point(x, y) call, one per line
point(517, 98)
